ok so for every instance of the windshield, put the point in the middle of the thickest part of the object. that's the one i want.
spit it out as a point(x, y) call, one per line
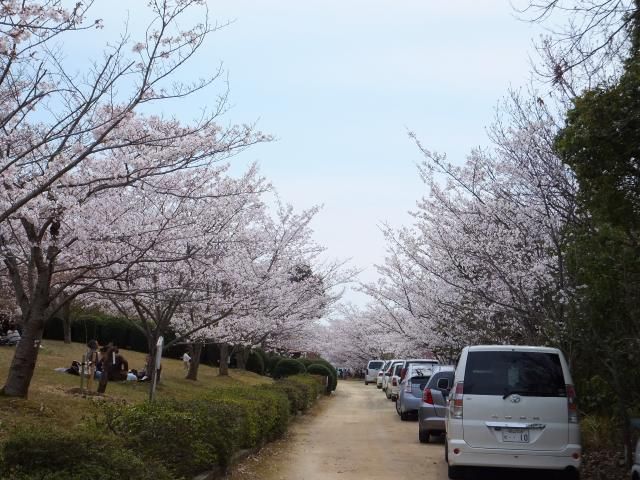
point(524, 373)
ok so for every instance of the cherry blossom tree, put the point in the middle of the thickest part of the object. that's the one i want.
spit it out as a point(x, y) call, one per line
point(484, 259)
point(72, 146)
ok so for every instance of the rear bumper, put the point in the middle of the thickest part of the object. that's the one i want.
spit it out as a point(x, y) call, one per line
point(497, 457)
point(429, 422)
point(409, 403)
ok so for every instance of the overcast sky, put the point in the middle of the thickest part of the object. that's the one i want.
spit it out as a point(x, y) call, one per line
point(339, 83)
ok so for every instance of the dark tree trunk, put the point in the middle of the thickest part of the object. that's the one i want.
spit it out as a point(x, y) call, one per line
point(26, 355)
point(195, 361)
point(66, 321)
point(224, 359)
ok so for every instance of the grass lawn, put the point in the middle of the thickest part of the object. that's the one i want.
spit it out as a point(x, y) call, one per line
point(49, 400)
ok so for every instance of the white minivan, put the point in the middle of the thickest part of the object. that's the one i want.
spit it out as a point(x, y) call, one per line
point(514, 407)
point(371, 374)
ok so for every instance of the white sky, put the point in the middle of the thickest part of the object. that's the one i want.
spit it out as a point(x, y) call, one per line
point(339, 82)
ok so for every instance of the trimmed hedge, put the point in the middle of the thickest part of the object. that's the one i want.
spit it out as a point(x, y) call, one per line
point(287, 367)
point(255, 363)
point(161, 440)
point(44, 452)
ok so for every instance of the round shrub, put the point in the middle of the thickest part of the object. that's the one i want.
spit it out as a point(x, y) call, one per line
point(255, 363)
point(271, 364)
point(319, 369)
point(286, 367)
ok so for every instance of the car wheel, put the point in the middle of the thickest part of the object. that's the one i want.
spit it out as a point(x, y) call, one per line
point(387, 394)
point(397, 407)
point(366, 383)
point(423, 435)
point(404, 416)
point(379, 386)
point(455, 473)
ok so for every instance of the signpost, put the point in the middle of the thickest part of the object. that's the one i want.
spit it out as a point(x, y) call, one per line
point(156, 364)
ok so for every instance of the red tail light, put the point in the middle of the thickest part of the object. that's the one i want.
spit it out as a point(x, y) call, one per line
point(403, 372)
point(394, 382)
point(427, 397)
point(572, 404)
point(380, 373)
point(456, 401)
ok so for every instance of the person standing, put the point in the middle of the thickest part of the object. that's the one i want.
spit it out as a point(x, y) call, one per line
point(186, 361)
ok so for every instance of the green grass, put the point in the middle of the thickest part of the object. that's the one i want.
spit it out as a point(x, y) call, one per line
point(50, 401)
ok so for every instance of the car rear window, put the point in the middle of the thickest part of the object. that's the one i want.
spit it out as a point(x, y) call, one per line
point(375, 365)
point(398, 369)
point(525, 373)
point(420, 370)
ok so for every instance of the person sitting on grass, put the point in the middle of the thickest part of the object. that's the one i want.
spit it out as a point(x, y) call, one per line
point(11, 338)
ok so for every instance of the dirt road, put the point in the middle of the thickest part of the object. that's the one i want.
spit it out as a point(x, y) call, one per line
point(354, 435)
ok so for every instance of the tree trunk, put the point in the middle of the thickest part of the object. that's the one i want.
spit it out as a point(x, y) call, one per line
point(224, 359)
point(66, 321)
point(25, 357)
point(195, 362)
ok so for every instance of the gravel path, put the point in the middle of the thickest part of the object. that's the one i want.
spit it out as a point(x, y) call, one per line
point(354, 435)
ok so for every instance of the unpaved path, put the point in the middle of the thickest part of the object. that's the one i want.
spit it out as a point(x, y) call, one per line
point(354, 435)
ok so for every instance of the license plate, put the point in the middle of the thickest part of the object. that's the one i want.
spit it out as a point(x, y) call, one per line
point(515, 435)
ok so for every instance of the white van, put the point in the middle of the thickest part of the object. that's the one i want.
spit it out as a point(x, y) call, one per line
point(514, 407)
point(371, 374)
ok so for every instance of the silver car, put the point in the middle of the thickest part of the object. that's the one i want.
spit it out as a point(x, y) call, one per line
point(411, 386)
point(433, 411)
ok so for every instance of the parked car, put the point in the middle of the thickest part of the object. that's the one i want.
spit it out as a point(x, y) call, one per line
point(411, 386)
point(512, 406)
point(386, 379)
point(394, 384)
point(380, 375)
point(635, 470)
point(371, 373)
point(433, 410)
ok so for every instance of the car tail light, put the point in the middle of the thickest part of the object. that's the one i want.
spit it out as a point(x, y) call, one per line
point(380, 373)
point(427, 397)
point(456, 401)
point(394, 381)
point(572, 404)
point(403, 373)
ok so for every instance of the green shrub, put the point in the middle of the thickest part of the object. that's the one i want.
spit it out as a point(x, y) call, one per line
point(186, 437)
point(272, 362)
point(287, 367)
point(323, 370)
point(265, 412)
point(297, 394)
point(263, 355)
point(255, 363)
point(333, 380)
point(55, 454)
point(312, 384)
